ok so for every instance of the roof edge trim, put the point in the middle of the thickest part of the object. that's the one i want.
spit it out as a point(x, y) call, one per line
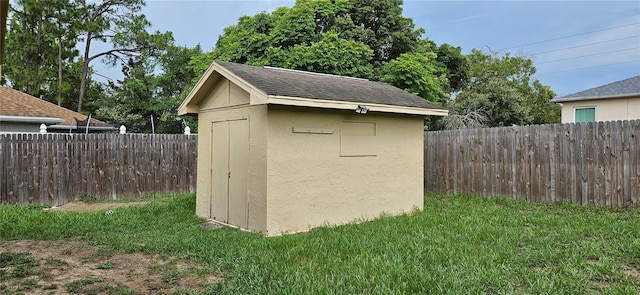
point(186, 108)
point(73, 127)
point(580, 98)
point(25, 119)
point(350, 105)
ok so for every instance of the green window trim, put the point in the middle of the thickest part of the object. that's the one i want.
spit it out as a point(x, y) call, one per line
point(585, 114)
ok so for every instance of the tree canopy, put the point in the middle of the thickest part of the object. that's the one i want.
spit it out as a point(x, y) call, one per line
point(371, 39)
point(501, 87)
point(51, 53)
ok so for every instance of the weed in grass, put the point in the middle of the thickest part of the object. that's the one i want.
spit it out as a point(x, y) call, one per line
point(155, 287)
point(88, 198)
point(78, 285)
point(68, 251)
point(155, 268)
point(185, 292)
point(44, 275)
point(107, 265)
point(109, 288)
point(50, 287)
point(56, 263)
point(28, 284)
point(102, 253)
point(170, 276)
point(22, 258)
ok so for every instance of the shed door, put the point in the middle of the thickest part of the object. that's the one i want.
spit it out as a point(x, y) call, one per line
point(230, 145)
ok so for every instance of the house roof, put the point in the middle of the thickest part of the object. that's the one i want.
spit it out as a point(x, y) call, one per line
point(22, 107)
point(269, 85)
point(624, 88)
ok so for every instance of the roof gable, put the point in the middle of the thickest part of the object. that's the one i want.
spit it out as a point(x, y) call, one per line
point(623, 88)
point(14, 103)
point(291, 87)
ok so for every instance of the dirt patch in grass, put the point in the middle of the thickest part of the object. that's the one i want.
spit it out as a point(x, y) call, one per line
point(83, 207)
point(632, 271)
point(74, 267)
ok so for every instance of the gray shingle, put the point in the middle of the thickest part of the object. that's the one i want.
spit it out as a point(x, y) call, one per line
point(629, 86)
point(283, 82)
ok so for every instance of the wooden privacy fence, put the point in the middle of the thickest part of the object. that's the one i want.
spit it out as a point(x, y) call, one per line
point(584, 163)
point(55, 168)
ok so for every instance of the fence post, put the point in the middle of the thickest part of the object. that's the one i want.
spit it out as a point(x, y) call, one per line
point(43, 128)
point(187, 130)
point(123, 130)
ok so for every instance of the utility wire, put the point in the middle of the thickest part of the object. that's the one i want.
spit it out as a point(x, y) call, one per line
point(585, 45)
point(568, 58)
point(584, 68)
point(569, 36)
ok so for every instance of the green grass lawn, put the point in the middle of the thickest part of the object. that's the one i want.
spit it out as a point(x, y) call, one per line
point(456, 245)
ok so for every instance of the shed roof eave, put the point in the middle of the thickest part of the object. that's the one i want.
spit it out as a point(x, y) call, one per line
point(215, 71)
point(351, 105)
point(581, 98)
point(194, 95)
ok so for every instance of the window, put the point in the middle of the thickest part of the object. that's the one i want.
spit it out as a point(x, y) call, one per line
point(585, 115)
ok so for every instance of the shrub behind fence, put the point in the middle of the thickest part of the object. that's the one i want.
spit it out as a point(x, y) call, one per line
point(55, 169)
point(584, 163)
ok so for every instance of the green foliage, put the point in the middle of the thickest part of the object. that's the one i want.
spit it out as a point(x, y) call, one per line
point(51, 49)
point(455, 245)
point(332, 55)
point(456, 65)
point(353, 38)
point(21, 264)
point(121, 24)
point(381, 26)
point(78, 285)
point(41, 55)
point(143, 93)
point(502, 88)
point(417, 74)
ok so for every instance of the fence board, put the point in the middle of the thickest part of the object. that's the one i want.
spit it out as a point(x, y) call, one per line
point(584, 163)
point(55, 168)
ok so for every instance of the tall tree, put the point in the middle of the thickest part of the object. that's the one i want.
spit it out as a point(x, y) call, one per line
point(501, 86)
point(119, 23)
point(383, 28)
point(150, 87)
point(456, 65)
point(417, 73)
point(371, 33)
point(40, 51)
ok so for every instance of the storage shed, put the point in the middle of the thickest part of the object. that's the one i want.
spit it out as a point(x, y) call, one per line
point(283, 151)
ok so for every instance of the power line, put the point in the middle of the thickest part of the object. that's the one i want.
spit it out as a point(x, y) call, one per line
point(584, 68)
point(568, 58)
point(569, 36)
point(585, 45)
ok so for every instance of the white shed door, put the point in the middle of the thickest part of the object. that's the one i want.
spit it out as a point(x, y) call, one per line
point(230, 145)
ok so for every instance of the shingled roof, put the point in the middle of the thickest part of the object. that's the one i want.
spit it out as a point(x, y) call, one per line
point(623, 88)
point(277, 85)
point(15, 104)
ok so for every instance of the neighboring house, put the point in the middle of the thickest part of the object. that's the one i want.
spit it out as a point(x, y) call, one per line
point(21, 112)
point(284, 151)
point(615, 101)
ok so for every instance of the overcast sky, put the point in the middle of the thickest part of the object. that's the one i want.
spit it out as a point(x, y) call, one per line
point(575, 45)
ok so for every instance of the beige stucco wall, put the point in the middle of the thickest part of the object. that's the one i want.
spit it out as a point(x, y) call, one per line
point(228, 102)
point(606, 109)
point(310, 184)
point(308, 167)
